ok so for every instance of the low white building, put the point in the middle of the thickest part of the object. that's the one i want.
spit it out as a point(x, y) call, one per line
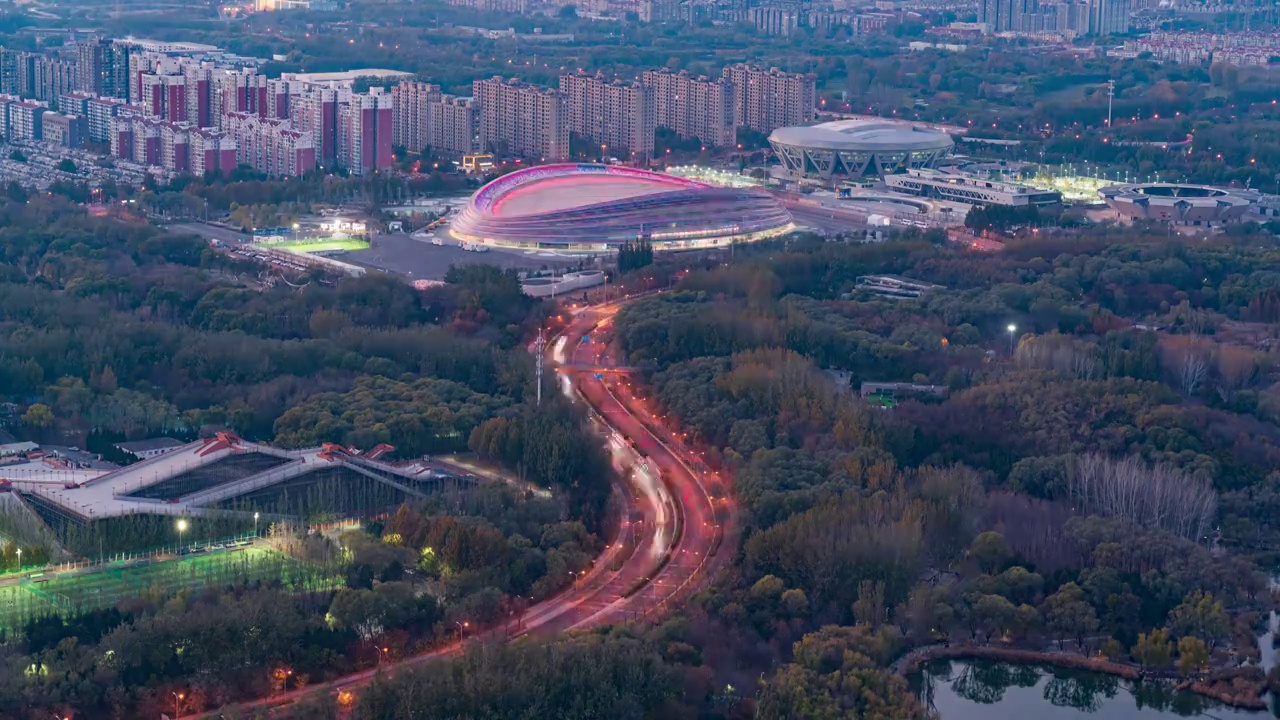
point(969, 190)
point(149, 448)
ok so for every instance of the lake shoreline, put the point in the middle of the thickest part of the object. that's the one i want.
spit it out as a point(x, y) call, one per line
point(1225, 687)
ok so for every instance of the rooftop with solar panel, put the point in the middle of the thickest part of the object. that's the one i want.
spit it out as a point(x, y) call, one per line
point(216, 475)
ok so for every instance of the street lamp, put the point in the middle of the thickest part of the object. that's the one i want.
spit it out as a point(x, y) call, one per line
point(381, 650)
point(1012, 329)
point(19, 559)
point(462, 626)
point(255, 525)
point(182, 528)
point(295, 232)
point(177, 698)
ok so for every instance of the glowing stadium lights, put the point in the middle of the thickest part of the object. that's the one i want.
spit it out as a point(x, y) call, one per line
point(598, 208)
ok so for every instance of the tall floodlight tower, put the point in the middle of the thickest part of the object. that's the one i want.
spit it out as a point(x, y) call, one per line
point(539, 347)
point(1111, 96)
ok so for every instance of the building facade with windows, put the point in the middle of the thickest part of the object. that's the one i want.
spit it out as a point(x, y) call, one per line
point(693, 106)
point(617, 114)
point(522, 120)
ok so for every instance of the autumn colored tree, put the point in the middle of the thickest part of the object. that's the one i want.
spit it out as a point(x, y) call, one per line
point(1193, 655)
point(1153, 650)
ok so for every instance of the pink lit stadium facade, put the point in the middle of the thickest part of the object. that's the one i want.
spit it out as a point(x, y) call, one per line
point(597, 208)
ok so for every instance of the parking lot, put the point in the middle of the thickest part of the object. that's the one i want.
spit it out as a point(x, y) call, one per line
point(419, 259)
point(403, 254)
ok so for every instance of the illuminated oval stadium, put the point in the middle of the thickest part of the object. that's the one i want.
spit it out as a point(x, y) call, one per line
point(597, 208)
point(856, 149)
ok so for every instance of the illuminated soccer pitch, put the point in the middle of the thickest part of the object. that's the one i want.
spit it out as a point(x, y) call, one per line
point(320, 245)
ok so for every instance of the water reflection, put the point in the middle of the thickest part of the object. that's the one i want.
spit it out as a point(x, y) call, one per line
point(985, 683)
point(1082, 692)
point(985, 690)
point(1267, 641)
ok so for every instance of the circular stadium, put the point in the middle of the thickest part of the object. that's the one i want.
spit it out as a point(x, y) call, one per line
point(858, 149)
point(1179, 204)
point(577, 208)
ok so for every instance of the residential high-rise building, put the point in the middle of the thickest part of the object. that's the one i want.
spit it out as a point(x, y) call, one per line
point(74, 103)
point(25, 120)
point(151, 141)
point(211, 151)
point(175, 146)
point(53, 77)
point(13, 71)
point(522, 120)
point(658, 11)
point(315, 111)
point(91, 66)
point(615, 113)
point(121, 140)
point(765, 100)
point(279, 93)
point(99, 112)
point(118, 59)
point(144, 64)
point(25, 74)
point(1109, 17)
point(120, 131)
point(175, 97)
point(412, 116)
point(997, 14)
point(199, 80)
point(365, 123)
point(1073, 17)
point(151, 93)
point(519, 7)
point(270, 145)
point(454, 126)
point(693, 107)
point(169, 96)
point(243, 91)
point(773, 20)
point(6, 100)
point(146, 142)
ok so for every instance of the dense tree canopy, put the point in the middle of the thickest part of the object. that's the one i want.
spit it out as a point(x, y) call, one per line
point(1067, 475)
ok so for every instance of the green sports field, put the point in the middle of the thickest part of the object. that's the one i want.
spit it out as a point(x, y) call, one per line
point(323, 245)
point(70, 594)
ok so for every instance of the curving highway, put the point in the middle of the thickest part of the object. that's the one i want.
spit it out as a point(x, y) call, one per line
point(680, 501)
point(673, 515)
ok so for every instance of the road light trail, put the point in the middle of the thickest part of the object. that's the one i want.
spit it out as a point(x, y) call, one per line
point(664, 546)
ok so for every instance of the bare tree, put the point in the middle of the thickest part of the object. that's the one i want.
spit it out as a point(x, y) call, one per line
point(1187, 361)
point(1160, 496)
point(1065, 354)
point(1192, 369)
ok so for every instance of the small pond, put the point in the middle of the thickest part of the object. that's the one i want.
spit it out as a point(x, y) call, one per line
point(989, 690)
